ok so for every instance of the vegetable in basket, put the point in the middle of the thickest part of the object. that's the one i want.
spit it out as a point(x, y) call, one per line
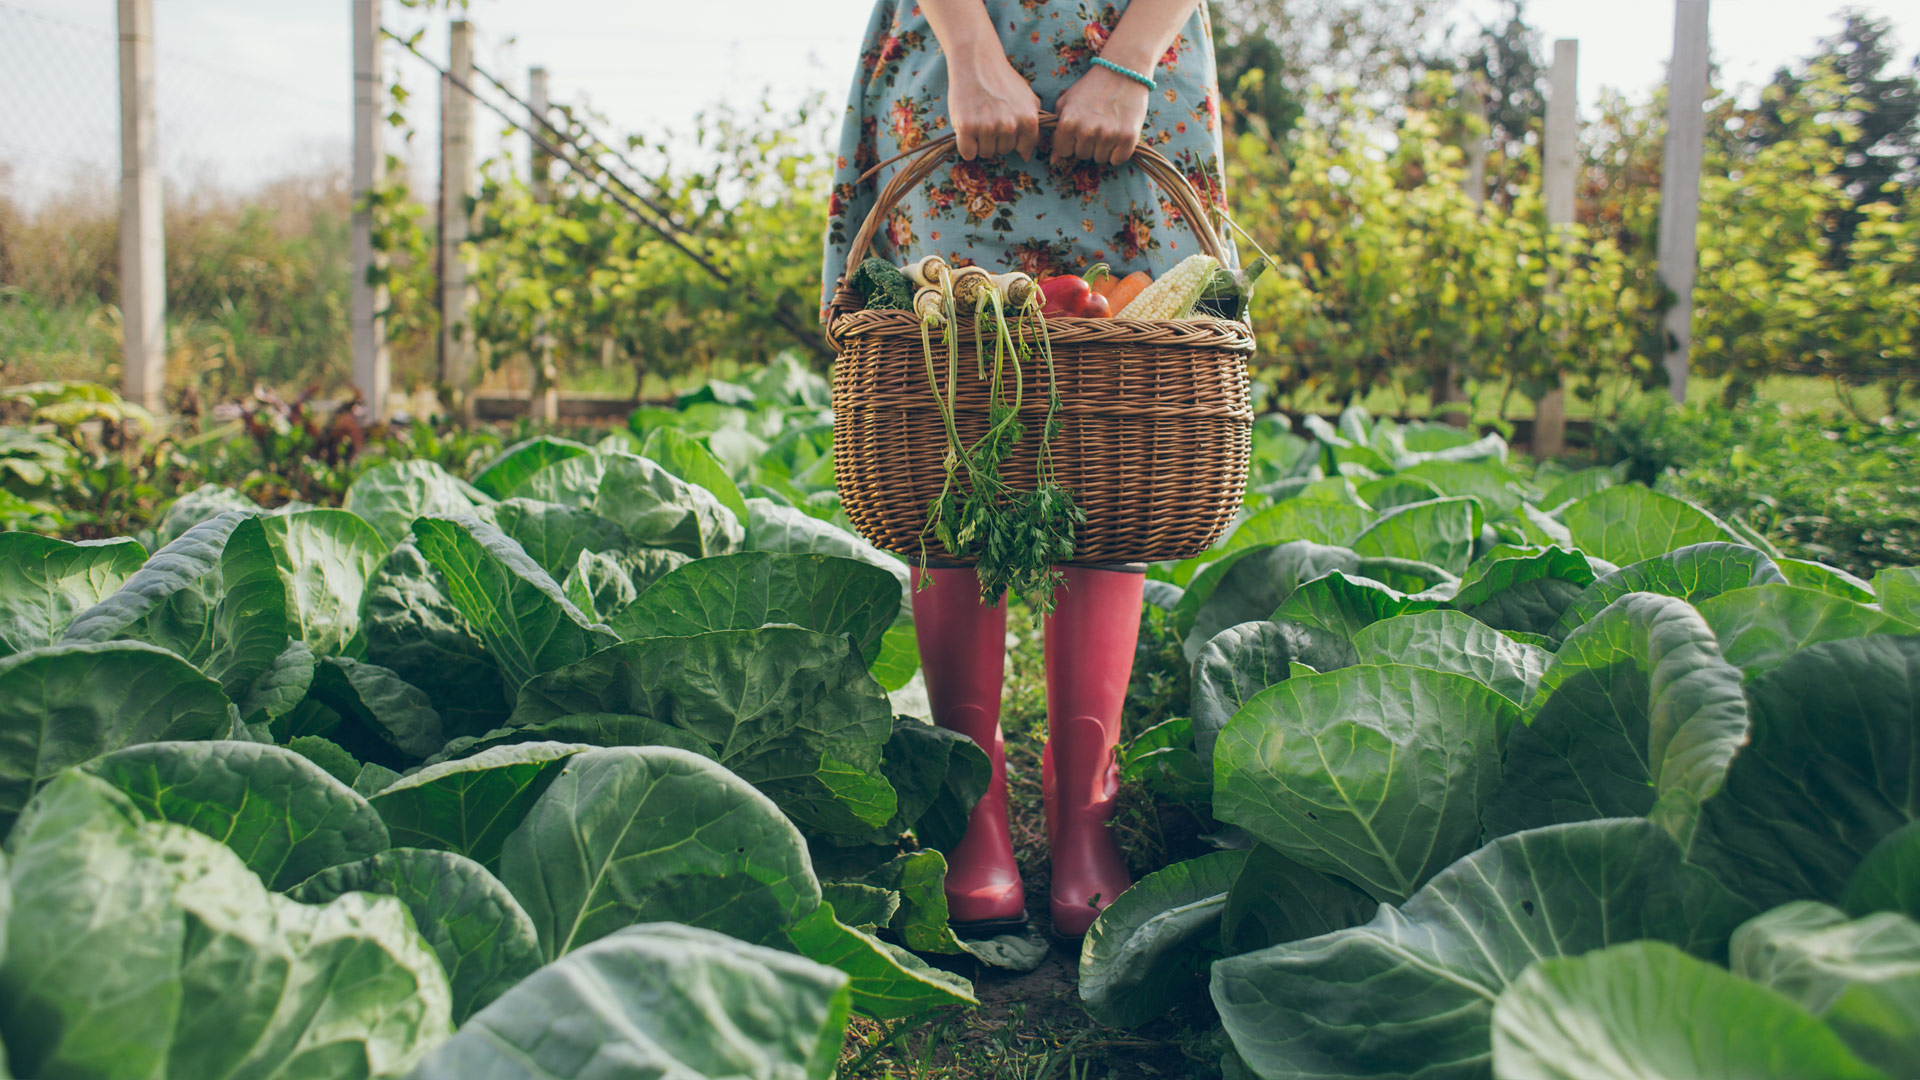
point(1121, 291)
point(882, 285)
point(1228, 294)
point(925, 271)
point(1016, 537)
point(1173, 296)
point(1071, 296)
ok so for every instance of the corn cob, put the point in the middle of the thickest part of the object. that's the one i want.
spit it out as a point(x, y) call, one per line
point(1173, 296)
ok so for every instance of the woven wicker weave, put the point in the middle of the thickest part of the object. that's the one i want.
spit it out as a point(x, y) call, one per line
point(1155, 418)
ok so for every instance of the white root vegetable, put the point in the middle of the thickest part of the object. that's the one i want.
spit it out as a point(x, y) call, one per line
point(926, 271)
point(930, 306)
point(968, 283)
point(1015, 288)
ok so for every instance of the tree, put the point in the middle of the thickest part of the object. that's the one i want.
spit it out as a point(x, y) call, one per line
point(1508, 59)
point(1272, 55)
point(1871, 109)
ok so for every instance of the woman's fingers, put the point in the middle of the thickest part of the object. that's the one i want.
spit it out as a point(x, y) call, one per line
point(1003, 136)
point(1122, 148)
point(1066, 141)
point(1026, 134)
point(963, 139)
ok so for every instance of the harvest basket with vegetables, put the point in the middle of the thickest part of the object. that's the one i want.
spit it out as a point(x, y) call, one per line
point(1014, 425)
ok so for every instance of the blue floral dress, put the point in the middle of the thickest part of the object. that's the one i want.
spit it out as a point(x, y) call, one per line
point(1007, 213)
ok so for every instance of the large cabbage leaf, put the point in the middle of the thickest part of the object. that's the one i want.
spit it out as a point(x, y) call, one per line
point(1412, 992)
point(65, 704)
point(1639, 716)
point(1646, 1009)
point(1833, 767)
point(647, 834)
point(658, 1000)
point(46, 583)
point(1374, 773)
point(141, 948)
point(284, 816)
point(1862, 976)
point(213, 596)
point(474, 925)
point(791, 710)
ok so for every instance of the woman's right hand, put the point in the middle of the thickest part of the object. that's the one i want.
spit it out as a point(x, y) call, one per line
point(993, 109)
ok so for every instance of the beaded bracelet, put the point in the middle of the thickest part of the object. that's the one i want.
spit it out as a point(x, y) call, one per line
point(1144, 80)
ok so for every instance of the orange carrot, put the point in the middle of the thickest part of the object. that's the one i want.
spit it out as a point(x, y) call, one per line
point(1101, 279)
point(1130, 286)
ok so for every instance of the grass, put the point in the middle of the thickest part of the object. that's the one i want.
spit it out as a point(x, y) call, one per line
point(1797, 393)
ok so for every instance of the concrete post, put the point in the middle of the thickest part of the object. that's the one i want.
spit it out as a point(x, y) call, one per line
point(1680, 181)
point(457, 355)
point(372, 372)
point(1561, 153)
point(143, 263)
point(543, 404)
point(1450, 398)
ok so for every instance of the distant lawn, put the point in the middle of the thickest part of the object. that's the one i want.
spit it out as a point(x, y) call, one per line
point(1799, 393)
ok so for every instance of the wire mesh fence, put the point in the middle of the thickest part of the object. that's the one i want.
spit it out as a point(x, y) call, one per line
point(626, 267)
point(256, 212)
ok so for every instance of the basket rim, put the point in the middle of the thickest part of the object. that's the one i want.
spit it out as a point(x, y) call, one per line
point(1226, 335)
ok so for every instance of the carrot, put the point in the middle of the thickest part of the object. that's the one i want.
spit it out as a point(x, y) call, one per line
point(1130, 286)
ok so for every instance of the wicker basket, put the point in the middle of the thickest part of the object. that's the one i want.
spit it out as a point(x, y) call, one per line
point(1156, 423)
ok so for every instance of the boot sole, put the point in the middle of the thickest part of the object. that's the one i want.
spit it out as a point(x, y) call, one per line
point(1067, 943)
point(987, 928)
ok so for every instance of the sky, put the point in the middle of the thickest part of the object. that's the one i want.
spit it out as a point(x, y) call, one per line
point(250, 90)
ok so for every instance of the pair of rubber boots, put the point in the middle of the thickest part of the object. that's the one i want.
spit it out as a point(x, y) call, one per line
point(1090, 639)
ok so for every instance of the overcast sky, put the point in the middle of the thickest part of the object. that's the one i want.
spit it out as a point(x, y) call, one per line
point(250, 89)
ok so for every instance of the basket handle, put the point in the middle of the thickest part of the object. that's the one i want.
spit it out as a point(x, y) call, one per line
point(923, 161)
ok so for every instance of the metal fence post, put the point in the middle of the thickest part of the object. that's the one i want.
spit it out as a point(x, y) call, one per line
point(143, 263)
point(1561, 154)
point(1680, 181)
point(372, 374)
point(457, 367)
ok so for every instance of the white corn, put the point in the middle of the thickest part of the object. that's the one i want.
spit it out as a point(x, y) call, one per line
point(1174, 294)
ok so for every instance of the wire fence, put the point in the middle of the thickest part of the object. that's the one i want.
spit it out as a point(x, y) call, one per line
point(257, 209)
point(255, 180)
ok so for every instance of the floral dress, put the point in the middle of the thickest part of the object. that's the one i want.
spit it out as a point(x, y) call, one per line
point(1007, 213)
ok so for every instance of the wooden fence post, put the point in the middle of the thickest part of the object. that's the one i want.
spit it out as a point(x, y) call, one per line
point(1476, 103)
point(372, 373)
point(457, 355)
point(543, 405)
point(1450, 400)
point(1561, 152)
point(1680, 181)
point(143, 261)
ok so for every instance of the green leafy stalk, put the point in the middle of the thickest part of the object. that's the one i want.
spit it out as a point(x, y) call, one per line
point(1017, 537)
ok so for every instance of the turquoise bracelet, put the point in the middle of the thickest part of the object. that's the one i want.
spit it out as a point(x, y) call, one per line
point(1143, 80)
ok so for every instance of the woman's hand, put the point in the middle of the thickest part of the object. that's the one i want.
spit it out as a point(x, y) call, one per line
point(993, 109)
point(1100, 118)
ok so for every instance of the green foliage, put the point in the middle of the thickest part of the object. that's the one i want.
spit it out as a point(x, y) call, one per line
point(1390, 273)
point(568, 274)
point(1566, 1016)
point(1833, 489)
point(1457, 738)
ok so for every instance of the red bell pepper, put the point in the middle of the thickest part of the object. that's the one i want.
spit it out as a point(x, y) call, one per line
point(1071, 296)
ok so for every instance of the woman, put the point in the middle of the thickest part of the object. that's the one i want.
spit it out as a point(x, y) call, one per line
point(1119, 75)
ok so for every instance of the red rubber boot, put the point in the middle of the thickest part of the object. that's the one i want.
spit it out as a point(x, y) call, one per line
point(1089, 644)
point(963, 653)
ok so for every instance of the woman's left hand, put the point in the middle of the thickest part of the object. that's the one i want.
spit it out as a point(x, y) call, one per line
point(1101, 117)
